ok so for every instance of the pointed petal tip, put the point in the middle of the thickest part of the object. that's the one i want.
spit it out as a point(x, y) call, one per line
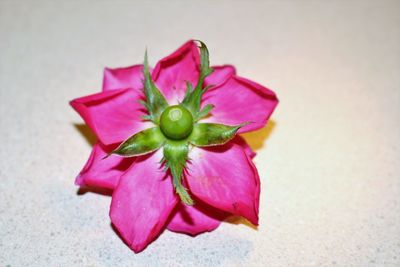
point(79, 181)
point(197, 42)
point(137, 249)
point(74, 103)
point(253, 220)
point(192, 233)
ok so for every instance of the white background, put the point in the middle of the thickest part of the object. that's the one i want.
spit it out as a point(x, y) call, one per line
point(329, 159)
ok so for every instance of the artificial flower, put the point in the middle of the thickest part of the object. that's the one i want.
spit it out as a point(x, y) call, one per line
point(168, 144)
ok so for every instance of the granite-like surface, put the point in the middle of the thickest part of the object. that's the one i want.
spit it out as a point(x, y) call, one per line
point(329, 160)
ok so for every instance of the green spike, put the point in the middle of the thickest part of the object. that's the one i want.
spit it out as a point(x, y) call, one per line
point(155, 101)
point(141, 143)
point(193, 97)
point(175, 158)
point(212, 134)
point(205, 111)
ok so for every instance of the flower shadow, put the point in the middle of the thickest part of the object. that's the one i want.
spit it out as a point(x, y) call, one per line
point(222, 249)
point(256, 139)
point(95, 190)
point(240, 220)
point(84, 130)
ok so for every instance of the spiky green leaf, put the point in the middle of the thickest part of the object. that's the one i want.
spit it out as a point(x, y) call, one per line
point(192, 98)
point(205, 111)
point(212, 134)
point(188, 93)
point(175, 157)
point(155, 101)
point(141, 143)
point(205, 61)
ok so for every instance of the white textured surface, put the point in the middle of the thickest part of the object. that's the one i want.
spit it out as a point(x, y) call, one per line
point(329, 161)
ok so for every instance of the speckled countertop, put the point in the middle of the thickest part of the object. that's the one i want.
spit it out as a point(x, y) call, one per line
point(329, 160)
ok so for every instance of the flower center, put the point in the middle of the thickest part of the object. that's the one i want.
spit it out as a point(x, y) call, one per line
point(176, 122)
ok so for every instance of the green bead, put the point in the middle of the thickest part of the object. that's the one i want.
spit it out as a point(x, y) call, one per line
point(176, 122)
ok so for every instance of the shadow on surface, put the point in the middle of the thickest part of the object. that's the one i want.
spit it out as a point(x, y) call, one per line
point(240, 220)
point(256, 139)
point(100, 191)
point(86, 132)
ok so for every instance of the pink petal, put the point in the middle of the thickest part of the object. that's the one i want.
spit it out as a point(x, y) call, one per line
point(225, 178)
point(219, 76)
point(197, 219)
point(142, 202)
point(102, 173)
point(240, 141)
point(113, 115)
point(122, 78)
point(240, 100)
point(172, 72)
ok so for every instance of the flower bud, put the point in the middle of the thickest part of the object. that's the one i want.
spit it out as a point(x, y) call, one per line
point(176, 122)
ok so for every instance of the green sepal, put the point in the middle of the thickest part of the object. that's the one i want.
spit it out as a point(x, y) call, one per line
point(155, 101)
point(205, 111)
point(192, 99)
point(212, 134)
point(188, 93)
point(141, 143)
point(175, 157)
point(205, 69)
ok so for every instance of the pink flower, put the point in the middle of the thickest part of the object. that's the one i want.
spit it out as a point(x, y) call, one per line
point(219, 175)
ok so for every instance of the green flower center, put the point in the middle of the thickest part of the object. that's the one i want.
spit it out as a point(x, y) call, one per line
point(176, 122)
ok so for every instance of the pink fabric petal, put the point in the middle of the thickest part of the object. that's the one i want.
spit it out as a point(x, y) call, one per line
point(172, 72)
point(102, 173)
point(142, 202)
point(112, 115)
point(122, 78)
point(225, 178)
point(219, 76)
point(240, 141)
point(196, 219)
point(240, 100)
